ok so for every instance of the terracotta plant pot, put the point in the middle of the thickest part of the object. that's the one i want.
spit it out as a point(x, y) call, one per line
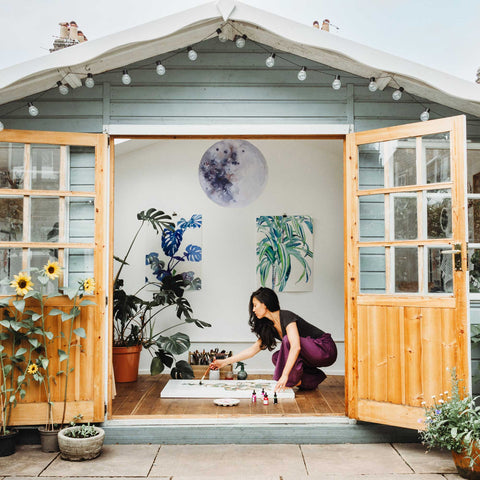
point(125, 363)
point(48, 440)
point(78, 449)
point(462, 462)
point(8, 443)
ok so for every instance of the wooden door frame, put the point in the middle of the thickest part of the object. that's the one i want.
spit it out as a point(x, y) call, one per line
point(195, 132)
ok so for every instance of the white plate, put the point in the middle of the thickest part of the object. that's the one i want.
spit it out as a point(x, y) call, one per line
point(226, 402)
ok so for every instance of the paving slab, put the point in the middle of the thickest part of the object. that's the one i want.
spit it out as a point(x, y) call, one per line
point(359, 476)
point(115, 460)
point(435, 461)
point(452, 476)
point(230, 477)
point(353, 458)
point(227, 461)
point(28, 460)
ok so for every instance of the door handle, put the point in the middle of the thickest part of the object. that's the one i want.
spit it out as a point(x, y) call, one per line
point(457, 252)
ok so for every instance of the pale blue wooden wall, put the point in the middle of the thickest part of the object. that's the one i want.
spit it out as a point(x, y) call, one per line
point(226, 85)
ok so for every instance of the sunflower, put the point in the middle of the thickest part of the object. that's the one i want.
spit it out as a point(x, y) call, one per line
point(22, 283)
point(89, 285)
point(52, 270)
point(32, 368)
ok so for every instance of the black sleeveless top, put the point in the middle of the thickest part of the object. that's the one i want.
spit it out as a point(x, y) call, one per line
point(305, 329)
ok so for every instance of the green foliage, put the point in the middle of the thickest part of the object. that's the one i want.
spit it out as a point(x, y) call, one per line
point(82, 431)
point(452, 422)
point(134, 319)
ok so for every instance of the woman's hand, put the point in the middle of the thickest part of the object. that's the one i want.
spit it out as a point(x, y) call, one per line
point(281, 384)
point(217, 364)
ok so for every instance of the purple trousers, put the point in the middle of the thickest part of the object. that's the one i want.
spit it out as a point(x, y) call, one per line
point(314, 352)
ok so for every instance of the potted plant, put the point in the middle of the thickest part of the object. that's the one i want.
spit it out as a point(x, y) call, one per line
point(80, 442)
point(452, 422)
point(134, 318)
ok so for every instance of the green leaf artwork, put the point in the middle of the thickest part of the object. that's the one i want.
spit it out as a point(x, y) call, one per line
point(284, 252)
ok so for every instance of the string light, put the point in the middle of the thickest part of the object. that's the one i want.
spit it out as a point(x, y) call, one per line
point(221, 36)
point(126, 78)
point(160, 68)
point(270, 61)
point(32, 109)
point(372, 86)
point(1, 126)
point(425, 115)
point(302, 74)
point(397, 94)
point(89, 81)
point(240, 41)
point(336, 84)
point(192, 54)
point(63, 89)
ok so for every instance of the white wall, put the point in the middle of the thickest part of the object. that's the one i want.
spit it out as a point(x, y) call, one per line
point(305, 177)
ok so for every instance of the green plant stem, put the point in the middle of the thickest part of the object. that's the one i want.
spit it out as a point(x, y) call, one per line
point(70, 335)
point(117, 276)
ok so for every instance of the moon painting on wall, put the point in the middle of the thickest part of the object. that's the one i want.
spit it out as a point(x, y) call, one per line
point(233, 173)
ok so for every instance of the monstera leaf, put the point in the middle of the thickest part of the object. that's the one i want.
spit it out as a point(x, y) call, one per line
point(193, 253)
point(182, 370)
point(174, 283)
point(158, 219)
point(161, 360)
point(194, 222)
point(175, 344)
point(171, 240)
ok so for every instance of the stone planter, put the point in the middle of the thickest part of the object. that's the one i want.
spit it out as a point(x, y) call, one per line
point(77, 449)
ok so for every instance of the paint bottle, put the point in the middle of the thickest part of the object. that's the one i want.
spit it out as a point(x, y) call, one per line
point(254, 397)
point(265, 399)
point(275, 398)
point(263, 393)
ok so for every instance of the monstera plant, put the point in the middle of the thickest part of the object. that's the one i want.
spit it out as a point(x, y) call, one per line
point(135, 319)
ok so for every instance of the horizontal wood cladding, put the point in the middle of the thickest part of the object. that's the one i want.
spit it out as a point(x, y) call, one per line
point(405, 353)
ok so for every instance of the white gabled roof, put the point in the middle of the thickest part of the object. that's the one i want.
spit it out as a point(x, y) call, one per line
point(193, 25)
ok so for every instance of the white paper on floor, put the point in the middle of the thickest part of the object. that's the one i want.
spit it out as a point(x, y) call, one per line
point(222, 389)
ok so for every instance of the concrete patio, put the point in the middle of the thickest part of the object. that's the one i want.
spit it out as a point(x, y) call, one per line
point(263, 462)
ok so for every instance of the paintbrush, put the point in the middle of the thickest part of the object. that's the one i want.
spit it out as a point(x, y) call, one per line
point(206, 371)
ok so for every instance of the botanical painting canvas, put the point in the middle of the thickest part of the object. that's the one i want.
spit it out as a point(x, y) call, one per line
point(284, 252)
point(177, 252)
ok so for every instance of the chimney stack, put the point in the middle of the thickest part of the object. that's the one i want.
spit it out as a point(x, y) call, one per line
point(326, 25)
point(63, 29)
point(73, 31)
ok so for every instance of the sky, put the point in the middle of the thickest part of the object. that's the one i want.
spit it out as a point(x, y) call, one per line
point(437, 33)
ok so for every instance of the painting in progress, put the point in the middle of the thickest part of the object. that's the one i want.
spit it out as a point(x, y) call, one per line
point(233, 173)
point(221, 389)
point(180, 253)
point(284, 253)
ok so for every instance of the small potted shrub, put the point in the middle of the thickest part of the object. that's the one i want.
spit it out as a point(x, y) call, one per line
point(80, 442)
point(452, 422)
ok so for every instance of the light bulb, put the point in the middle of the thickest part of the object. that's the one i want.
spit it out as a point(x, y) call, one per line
point(160, 68)
point(89, 81)
point(221, 36)
point(192, 54)
point(1, 126)
point(126, 78)
point(336, 84)
point(63, 89)
point(32, 109)
point(270, 61)
point(397, 94)
point(372, 86)
point(302, 74)
point(240, 41)
point(425, 115)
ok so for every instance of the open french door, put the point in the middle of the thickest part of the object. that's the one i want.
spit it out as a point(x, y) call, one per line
point(405, 268)
point(53, 190)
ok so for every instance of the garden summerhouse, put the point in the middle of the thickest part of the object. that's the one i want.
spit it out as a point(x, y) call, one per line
point(395, 201)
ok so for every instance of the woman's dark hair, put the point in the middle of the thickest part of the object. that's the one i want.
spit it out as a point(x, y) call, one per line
point(262, 327)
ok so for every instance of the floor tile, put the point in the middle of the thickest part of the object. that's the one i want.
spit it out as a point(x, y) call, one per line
point(115, 460)
point(353, 459)
point(228, 461)
point(27, 461)
point(435, 461)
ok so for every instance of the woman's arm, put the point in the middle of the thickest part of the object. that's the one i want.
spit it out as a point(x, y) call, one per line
point(243, 355)
point(294, 339)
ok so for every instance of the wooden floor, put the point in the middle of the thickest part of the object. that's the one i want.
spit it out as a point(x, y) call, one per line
point(142, 399)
